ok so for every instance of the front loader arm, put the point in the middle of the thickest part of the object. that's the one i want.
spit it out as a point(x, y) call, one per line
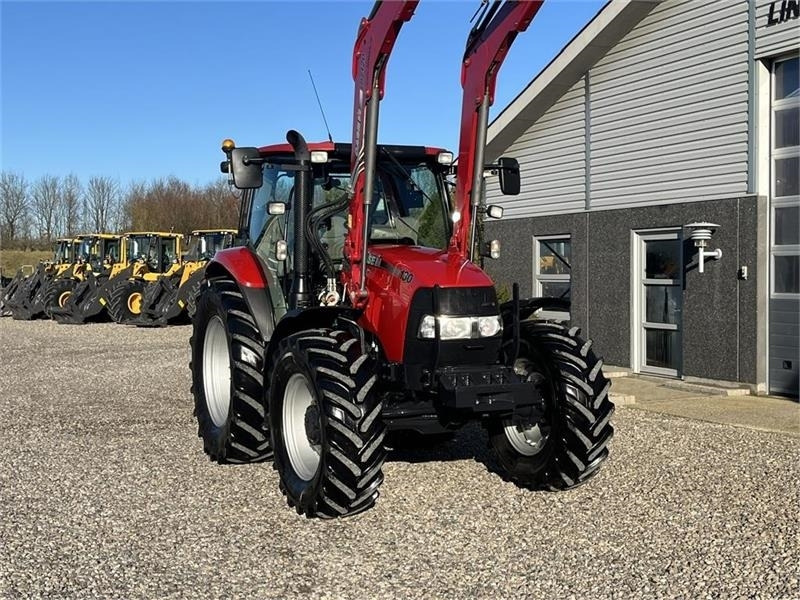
point(487, 46)
point(376, 36)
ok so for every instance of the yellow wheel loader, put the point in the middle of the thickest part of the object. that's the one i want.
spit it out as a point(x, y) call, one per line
point(21, 297)
point(98, 253)
point(153, 256)
point(171, 299)
point(118, 290)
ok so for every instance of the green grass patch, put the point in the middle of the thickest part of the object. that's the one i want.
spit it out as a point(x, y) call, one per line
point(11, 260)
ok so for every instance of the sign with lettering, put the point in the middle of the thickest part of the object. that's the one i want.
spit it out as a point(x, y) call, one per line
point(783, 10)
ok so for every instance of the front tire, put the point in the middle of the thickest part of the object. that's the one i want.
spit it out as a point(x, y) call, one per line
point(566, 443)
point(227, 377)
point(58, 294)
point(125, 300)
point(326, 425)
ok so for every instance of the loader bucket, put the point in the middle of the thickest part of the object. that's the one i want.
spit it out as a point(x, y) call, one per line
point(9, 293)
point(159, 297)
point(22, 304)
point(36, 304)
point(88, 301)
point(187, 294)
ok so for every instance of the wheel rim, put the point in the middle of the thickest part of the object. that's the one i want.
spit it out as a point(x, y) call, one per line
point(62, 299)
point(301, 427)
point(527, 439)
point(135, 303)
point(217, 371)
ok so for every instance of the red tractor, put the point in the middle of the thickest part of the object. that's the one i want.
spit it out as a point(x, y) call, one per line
point(355, 308)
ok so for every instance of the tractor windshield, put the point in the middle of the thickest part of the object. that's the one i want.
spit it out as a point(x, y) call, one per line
point(144, 248)
point(139, 247)
point(409, 207)
point(157, 252)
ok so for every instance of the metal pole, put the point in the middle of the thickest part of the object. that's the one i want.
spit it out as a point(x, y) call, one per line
point(370, 160)
point(477, 165)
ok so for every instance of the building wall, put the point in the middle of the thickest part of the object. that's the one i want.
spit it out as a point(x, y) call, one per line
point(662, 118)
point(669, 108)
point(720, 323)
point(552, 152)
point(776, 26)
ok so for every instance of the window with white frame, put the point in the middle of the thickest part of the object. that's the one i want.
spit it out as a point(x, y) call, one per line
point(551, 273)
point(785, 158)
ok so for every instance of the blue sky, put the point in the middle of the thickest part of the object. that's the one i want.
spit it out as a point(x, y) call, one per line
point(137, 90)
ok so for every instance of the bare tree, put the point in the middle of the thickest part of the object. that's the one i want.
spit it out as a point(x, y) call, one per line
point(46, 197)
point(13, 203)
point(223, 204)
point(102, 198)
point(71, 193)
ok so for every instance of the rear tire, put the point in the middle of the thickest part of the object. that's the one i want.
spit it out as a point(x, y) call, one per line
point(568, 445)
point(227, 377)
point(58, 294)
point(126, 299)
point(326, 423)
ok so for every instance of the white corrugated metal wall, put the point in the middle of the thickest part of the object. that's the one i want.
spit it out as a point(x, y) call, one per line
point(551, 156)
point(668, 110)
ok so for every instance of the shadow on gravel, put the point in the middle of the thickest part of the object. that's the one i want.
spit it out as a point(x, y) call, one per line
point(469, 443)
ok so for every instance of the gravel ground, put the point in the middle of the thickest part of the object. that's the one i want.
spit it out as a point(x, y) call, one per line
point(105, 492)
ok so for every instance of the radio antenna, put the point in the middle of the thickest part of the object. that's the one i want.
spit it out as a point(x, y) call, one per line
point(328, 129)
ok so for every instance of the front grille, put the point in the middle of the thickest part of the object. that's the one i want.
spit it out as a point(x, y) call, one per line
point(421, 356)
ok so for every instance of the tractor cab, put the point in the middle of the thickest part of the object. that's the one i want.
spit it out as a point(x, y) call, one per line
point(410, 205)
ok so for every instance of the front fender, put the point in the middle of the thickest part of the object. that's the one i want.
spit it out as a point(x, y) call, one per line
point(310, 318)
point(258, 286)
point(242, 264)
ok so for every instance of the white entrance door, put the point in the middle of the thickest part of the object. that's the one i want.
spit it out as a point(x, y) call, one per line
point(657, 296)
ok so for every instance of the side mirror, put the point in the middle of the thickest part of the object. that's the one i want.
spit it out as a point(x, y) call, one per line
point(245, 166)
point(509, 176)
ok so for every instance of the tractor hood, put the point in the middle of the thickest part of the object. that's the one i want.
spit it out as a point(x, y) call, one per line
point(419, 267)
point(395, 274)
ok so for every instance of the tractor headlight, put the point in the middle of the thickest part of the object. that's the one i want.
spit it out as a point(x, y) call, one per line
point(427, 327)
point(455, 328)
point(460, 328)
point(489, 326)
